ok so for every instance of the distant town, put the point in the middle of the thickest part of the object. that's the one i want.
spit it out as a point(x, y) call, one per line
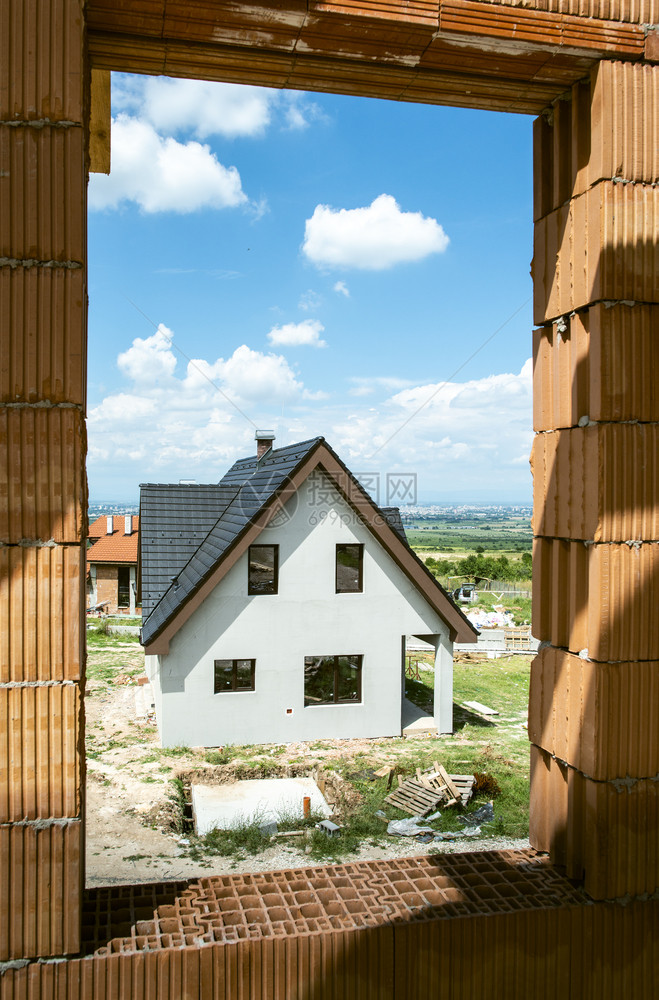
point(409, 512)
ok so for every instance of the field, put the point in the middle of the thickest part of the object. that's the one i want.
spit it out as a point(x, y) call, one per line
point(456, 532)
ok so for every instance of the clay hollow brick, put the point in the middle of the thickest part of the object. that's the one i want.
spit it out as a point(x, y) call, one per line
point(44, 355)
point(604, 832)
point(41, 61)
point(41, 606)
point(600, 599)
point(598, 483)
point(600, 718)
point(597, 364)
point(43, 209)
point(603, 127)
point(599, 246)
point(41, 887)
point(543, 953)
point(42, 482)
point(40, 759)
point(227, 909)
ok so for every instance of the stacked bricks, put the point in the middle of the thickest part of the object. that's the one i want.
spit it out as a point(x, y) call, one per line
point(593, 706)
point(230, 908)
point(42, 477)
point(455, 927)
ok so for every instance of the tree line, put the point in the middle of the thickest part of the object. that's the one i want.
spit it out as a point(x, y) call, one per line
point(475, 564)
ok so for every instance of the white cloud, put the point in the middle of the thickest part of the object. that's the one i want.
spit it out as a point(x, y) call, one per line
point(341, 288)
point(367, 386)
point(164, 424)
point(149, 360)
point(474, 435)
point(203, 108)
point(372, 238)
point(162, 175)
point(310, 301)
point(253, 376)
point(307, 333)
point(299, 112)
point(168, 425)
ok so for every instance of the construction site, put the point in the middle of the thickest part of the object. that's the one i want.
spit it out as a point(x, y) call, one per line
point(576, 915)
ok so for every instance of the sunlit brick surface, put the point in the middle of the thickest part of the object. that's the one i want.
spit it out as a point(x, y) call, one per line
point(600, 717)
point(597, 364)
point(598, 483)
point(340, 897)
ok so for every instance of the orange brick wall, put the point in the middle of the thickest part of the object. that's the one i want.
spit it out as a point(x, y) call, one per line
point(594, 800)
point(107, 582)
point(593, 716)
point(42, 475)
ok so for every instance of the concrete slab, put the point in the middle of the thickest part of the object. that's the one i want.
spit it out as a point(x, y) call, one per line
point(259, 800)
point(416, 722)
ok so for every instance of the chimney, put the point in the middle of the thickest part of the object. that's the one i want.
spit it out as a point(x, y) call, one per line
point(264, 440)
point(109, 529)
point(128, 524)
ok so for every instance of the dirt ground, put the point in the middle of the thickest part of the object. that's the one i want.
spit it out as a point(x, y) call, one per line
point(128, 790)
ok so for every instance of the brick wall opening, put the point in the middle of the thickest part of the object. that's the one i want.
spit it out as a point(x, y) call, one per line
point(595, 246)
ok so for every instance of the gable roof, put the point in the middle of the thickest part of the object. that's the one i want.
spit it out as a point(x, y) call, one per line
point(174, 520)
point(117, 547)
point(250, 496)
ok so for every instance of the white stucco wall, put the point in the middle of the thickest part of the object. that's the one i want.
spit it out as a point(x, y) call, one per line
point(305, 618)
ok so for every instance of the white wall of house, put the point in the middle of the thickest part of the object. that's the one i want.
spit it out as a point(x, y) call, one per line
point(305, 618)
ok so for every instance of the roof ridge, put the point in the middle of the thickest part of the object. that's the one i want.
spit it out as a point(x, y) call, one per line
point(258, 467)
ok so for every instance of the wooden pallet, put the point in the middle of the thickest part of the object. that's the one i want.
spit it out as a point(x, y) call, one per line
point(414, 797)
point(464, 783)
point(429, 789)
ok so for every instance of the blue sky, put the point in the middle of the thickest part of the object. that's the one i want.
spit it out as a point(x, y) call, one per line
point(316, 265)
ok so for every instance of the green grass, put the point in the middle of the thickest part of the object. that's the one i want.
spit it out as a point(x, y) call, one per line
point(497, 746)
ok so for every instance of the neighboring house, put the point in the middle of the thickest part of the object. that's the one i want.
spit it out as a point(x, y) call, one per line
point(112, 563)
point(276, 605)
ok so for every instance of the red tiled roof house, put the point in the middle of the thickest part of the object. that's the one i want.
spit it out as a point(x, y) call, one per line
point(112, 563)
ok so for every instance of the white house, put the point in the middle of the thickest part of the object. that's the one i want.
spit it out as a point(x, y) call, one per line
point(276, 605)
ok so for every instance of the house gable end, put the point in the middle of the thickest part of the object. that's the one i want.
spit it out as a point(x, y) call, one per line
point(239, 527)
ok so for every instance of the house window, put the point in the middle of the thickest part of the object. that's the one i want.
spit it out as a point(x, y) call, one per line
point(123, 587)
point(234, 675)
point(349, 569)
point(332, 680)
point(263, 569)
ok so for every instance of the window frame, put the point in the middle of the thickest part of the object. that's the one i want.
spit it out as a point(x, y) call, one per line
point(336, 700)
point(234, 689)
point(275, 586)
point(121, 589)
point(346, 545)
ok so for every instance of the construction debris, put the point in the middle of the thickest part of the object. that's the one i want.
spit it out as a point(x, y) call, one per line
point(328, 828)
point(484, 814)
point(408, 827)
point(472, 831)
point(429, 789)
point(476, 706)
